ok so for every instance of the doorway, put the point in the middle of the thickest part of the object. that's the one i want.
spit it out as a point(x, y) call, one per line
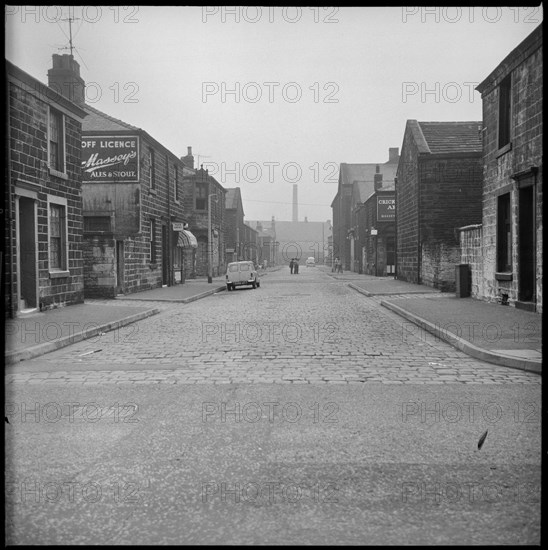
point(165, 256)
point(26, 252)
point(119, 267)
point(526, 244)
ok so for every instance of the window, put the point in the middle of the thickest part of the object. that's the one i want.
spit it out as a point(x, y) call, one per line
point(96, 224)
point(152, 241)
point(151, 173)
point(504, 234)
point(201, 196)
point(56, 141)
point(505, 111)
point(176, 183)
point(57, 237)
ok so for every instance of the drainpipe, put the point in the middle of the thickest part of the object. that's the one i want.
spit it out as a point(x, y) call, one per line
point(418, 227)
point(395, 228)
point(169, 227)
point(11, 311)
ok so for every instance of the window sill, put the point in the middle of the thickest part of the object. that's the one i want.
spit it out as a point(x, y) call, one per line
point(503, 276)
point(59, 274)
point(152, 192)
point(57, 174)
point(504, 150)
point(176, 201)
point(153, 265)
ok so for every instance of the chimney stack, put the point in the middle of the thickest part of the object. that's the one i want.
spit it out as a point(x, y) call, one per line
point(295, 204)
point(64, 77)
point(188, 159)
point(393, 154)
point(377, 178)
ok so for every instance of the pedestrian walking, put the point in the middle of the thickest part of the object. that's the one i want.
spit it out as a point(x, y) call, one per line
point(336, 265)
point(296, 266)
point(340, 266)
point(291, 265)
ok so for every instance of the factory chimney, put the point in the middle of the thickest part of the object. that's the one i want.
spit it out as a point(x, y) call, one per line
point(295, 204)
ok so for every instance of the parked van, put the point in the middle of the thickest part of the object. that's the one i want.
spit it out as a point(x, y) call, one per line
point(240, 274)
point(310, 262)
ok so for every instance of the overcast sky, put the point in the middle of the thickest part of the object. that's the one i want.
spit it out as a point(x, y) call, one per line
point(311, 87)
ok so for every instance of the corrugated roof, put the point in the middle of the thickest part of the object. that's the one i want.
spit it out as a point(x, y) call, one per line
point(452, 137)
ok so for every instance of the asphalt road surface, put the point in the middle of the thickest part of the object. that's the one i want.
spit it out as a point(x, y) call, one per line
point(300, 413)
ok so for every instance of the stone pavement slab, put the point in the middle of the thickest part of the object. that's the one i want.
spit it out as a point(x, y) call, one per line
point(185, 293)
point(498, 334)
point(386, 286)
point(35, 334)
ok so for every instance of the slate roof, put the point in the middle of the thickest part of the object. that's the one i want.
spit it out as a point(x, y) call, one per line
point(451, 137)
point(362, 177)
point(97, 121)
point(231, 198)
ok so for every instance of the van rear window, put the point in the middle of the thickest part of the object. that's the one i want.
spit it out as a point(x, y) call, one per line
point(232, 268)
point(244, 267)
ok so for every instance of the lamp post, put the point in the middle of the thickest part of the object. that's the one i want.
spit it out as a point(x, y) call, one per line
point(209, 241)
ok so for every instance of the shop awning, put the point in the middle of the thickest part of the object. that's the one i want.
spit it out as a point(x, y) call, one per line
point(187, 239)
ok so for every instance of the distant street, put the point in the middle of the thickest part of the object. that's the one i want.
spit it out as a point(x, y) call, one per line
point(301, 412)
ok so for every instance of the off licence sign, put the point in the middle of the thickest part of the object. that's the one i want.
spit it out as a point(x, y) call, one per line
point(110, 159)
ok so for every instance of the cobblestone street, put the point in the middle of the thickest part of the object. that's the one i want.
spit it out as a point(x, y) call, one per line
point(309, 328)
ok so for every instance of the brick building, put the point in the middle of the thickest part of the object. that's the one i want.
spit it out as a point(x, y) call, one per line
point(356, 184)
point(505, 251)
point(438, 189)
point(132, 197)
point(197, 187)
point(267, 246)
point(375, 228)
point(251, 249)
point(367, 249)
point(43, 262)
point(235, 237)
